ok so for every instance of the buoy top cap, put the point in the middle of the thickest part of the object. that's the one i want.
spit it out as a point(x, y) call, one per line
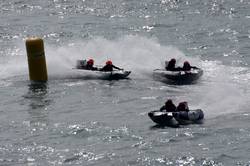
point(34, 38)
point(34, 46)
point(34, 41)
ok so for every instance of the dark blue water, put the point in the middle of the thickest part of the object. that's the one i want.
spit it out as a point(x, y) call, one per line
point(79, 120)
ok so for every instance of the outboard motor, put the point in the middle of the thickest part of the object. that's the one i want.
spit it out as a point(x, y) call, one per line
point(80, 64)
point(166, 64)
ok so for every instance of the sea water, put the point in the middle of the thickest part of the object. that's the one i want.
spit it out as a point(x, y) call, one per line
point(79, 120)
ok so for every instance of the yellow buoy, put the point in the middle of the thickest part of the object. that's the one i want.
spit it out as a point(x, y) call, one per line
point(36, 59)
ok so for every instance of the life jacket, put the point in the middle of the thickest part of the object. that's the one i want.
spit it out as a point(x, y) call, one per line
point(107, 67)
point(171, 108)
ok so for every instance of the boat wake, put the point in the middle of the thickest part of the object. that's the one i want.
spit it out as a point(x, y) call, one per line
point(221, 90)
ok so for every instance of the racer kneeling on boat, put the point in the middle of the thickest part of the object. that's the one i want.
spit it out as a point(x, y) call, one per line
point(170, 106)
point(183, 106)
point(170, 66)
point(109, 66)
point(90, 65)
point(187, 66)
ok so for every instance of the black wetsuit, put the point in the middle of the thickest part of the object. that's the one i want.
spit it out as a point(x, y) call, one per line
point(109, 68)
point(171, 67)
point(188, 67)
point(169, 108)
point(90, 67)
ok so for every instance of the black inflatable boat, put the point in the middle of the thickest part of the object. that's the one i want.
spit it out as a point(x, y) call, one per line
point(177, 118)
point(115, 74)
point(179, 76)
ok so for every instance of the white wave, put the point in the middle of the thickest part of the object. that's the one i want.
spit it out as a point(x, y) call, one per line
point(136, 53)
point(223, 89)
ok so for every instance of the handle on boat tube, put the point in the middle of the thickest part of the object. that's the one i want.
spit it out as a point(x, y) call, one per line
point(173, 114)
point(117, 70)
point(162, 112)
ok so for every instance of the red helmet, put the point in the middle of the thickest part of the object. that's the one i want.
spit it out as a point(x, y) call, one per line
point(109, 62)
point(90, 61)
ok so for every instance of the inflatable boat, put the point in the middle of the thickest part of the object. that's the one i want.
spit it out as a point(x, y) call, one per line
point(179, 76)
point(109, 75)
point(190, 117)
point(115, 74)
point(95, 72)
point(163, 118)
point(177, 118)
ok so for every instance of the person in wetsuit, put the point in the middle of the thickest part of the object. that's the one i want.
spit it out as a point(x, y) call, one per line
point(170, 66)
point(182, 106)
point(109, 66)
point(169, 106)
point(187, 66)
point(90, 65)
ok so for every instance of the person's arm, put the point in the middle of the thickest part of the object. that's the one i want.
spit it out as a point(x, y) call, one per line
point(194, 67)
point(163, 108)
point(178, 68)
point(174, 108)
point(94, 68)
point(101, 69)
point(116, 67)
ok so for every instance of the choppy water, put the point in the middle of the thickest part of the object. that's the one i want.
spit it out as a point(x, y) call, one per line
point(76, 121)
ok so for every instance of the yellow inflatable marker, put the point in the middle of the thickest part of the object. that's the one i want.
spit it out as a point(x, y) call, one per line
point(36, 59)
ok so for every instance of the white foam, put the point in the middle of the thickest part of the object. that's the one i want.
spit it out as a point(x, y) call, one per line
point(136, 53)
point(139, 54)
point(224, 88)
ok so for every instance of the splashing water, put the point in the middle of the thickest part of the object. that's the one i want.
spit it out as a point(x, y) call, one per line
point(141, 55)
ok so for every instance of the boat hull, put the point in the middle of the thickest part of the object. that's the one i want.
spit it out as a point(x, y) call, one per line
point(179, 76)
point(191, 117)
point(163, 118)
point(96, 72)
point(118, 74)
point(177, 118)
point(109, 75)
